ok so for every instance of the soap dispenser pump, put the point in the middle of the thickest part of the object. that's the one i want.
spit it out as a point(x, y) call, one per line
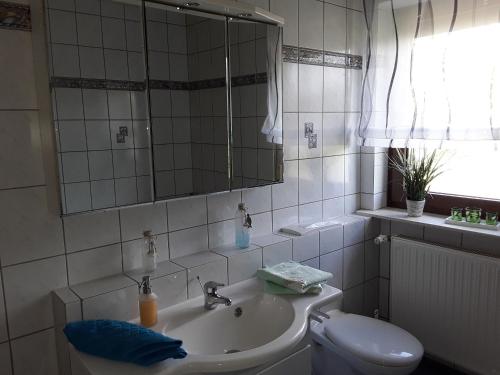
point(242, 225)
point(150, 255)
point(148, 303)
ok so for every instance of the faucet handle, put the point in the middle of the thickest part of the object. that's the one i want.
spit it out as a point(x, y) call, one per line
point(211, 286)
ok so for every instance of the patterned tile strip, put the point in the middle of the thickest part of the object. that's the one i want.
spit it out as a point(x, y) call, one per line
point(106, 84)
point(311, 56)
point(87, 83)
point(15, 16)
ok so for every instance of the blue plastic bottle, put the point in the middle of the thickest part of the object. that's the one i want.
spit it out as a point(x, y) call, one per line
point(242, 225)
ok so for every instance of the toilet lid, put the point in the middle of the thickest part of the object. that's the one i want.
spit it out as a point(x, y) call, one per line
point(373, 340)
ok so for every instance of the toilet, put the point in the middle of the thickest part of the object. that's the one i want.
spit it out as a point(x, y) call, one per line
point(350, 344)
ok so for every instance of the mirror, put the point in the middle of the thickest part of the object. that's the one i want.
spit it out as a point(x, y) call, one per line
point(101, 117)
point(188, 93)
point(142, 107)
point(256, 106)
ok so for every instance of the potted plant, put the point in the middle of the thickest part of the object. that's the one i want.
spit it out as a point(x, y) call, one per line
point(417, 171)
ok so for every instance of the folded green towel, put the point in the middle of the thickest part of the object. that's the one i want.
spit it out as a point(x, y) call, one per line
point(294, 276)
point(273, 288)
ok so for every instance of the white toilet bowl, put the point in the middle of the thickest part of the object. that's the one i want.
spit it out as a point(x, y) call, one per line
point(350, 344)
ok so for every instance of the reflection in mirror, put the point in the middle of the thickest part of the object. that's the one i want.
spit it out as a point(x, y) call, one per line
point(97, 80)
point(187, 82)
point(257, 151)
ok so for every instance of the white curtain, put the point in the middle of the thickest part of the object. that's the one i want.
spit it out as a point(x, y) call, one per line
point(273, 125)
point(432, 72)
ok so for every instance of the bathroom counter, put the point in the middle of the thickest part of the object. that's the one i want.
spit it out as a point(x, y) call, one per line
point(221, 340)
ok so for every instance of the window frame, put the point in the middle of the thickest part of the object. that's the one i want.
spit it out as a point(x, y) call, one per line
point(436, 203)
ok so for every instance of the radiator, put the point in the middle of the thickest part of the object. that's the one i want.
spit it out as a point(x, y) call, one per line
point(450, 300)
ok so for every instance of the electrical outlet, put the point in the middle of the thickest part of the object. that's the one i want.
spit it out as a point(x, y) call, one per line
point(308, 129)
point(120, 138)
point(124, 130)
point(312, 141)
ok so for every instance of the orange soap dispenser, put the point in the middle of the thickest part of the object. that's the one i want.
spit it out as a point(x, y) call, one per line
point(148, 303)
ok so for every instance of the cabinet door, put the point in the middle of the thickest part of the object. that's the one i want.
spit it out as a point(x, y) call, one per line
point(188, 101)
point(299, 363)
point(256, 103)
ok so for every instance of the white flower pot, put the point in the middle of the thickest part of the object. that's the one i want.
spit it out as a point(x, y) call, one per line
point(415, 208)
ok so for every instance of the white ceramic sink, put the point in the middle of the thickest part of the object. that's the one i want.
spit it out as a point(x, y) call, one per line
point(254, 330)
point(243, 326)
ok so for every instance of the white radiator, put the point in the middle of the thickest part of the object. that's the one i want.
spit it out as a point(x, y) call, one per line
point(450, 300)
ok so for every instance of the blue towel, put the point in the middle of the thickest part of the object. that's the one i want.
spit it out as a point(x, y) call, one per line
point(122, 341)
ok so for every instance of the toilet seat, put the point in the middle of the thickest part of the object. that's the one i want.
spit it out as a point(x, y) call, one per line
point(373, 340)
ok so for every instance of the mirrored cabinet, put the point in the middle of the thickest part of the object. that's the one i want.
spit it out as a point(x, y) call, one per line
point(153, 101)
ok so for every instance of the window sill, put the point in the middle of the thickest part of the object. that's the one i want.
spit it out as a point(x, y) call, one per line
point(428, 219)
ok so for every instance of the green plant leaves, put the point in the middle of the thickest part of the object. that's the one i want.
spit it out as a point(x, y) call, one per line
point(418, 171)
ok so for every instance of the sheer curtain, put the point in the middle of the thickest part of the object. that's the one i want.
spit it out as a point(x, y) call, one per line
point(432, 72)
point(273, 125)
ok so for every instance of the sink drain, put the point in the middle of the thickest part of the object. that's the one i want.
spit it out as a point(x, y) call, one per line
point(231, 351)
point(238, 312)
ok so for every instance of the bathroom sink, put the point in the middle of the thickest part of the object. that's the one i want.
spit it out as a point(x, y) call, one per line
point(243, 326)
point(256, 329)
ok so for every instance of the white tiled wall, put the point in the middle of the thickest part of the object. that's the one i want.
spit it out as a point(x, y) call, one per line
point(40, 252)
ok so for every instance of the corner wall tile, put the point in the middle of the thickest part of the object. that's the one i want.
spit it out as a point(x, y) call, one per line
point(353, 265)
point(333, 208)
point(17, 89)
point(20, 140)
point(310, 87)
point(222, 206)
point(91, 230)
point(188, 241)
point(287, 193)
point(120, 304)
point(186, 213)
point(410, 230)
point(135, 220)
point(29, 214)
point(450, 237)
point(171, 289)
point(335, 28)
point(276, 253)
point(257, 200)
point(310, 187)
point(3, 317)
point(384, 298)
point(333, 177)
point(288, 9)
point(5, 363)
point(372, 260)
point(284, 217)
point(310, 212)
point(480, 242)
point(94, 264)
point(331, 239)
point(28, 288)
point(290, 87)
point(35, 354)
point(333, 263)
point(353, 300)
point(311, 24)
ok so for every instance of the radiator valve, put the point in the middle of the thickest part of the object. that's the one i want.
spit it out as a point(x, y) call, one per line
point(380, 239)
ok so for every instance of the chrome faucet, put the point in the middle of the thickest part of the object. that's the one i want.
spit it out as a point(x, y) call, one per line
point(212, 298)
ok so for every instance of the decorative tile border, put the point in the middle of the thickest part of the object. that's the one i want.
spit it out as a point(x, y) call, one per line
point(311, 56)
point(89, 83)
point(15, 16)
point(106, 84)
